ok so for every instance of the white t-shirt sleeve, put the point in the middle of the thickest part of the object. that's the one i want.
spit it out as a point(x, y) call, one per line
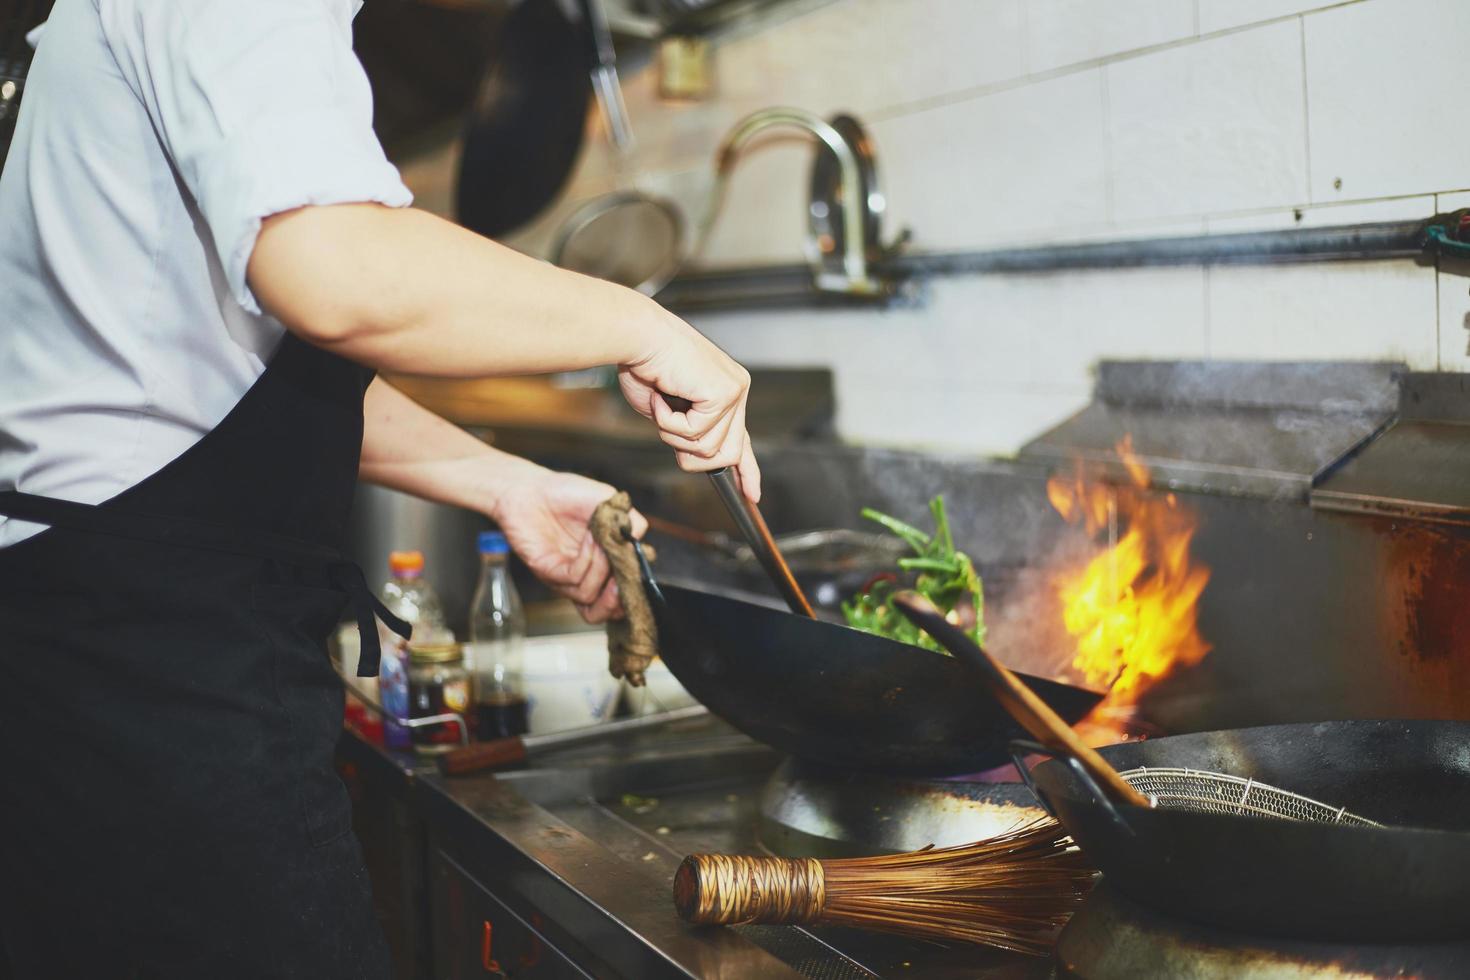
point(262, 107)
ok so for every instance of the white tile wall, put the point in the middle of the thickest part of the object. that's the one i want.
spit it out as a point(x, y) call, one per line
point(1218, 15)
point(1452, 201)
point(1454, 315)
point(1383, 79)
point(1064, 32)
point(960, 416)
point(977, 346)
point(1392, 209)
point(1004, 166)
point(1027, 121)
point(1213, 126)
point(1369, 310)
point(870, 55)
point(770, 182)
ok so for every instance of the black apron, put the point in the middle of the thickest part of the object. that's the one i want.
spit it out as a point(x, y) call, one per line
point(169, 713)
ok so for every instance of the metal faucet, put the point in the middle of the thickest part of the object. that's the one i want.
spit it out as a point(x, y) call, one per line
point(856, 277)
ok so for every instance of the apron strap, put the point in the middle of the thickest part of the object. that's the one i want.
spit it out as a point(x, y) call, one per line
point(181, 532)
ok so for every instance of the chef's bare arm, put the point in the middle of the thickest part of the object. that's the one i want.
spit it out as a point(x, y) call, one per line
point(544, 513)
point(402, 290)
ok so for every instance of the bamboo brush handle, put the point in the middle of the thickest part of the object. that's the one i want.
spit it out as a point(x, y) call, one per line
point(725, 890)
point(1033, 714)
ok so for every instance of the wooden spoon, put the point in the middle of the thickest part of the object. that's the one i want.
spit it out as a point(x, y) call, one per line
point(1032, 713)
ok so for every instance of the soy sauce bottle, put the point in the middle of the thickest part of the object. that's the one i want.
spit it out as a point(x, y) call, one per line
point(497, 628)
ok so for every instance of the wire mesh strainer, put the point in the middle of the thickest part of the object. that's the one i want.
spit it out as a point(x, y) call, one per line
point(1215, 792)
point(1192, 790)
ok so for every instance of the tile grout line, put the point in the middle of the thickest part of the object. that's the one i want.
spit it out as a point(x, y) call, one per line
point(1438, 309)
point(956, 96)
point(1306, 105)
point(1024, 19)
point(1438, 321)
point(1109, 167)
point(1205, 303)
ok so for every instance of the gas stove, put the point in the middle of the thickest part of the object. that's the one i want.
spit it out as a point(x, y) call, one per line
point(582, 848)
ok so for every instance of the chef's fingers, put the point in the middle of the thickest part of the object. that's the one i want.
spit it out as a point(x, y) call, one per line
point(588, 582)
point(689, 421)
point(708, 445)
point(726, 457)
point(728, 453)
point(577, 570)
point(639, 522)
point(607, 605)
point(750, 474)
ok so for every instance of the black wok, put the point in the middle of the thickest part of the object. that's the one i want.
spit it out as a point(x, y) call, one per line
point(525, 128)
point(833, 694)
point(1406, 881)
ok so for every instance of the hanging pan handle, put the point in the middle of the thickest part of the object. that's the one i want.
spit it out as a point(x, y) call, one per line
point(1032, 713)
point(1020, 748)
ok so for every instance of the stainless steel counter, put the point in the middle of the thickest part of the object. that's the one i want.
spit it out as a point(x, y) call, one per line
point(574, 861)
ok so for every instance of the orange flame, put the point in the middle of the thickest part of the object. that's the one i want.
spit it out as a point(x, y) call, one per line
point(1132, 608)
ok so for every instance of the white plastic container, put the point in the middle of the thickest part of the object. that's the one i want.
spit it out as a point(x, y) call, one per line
point(661, 692)
point(566, 682)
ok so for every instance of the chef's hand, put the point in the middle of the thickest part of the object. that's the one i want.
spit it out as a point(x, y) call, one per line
point(544, 515)
point(710, 433)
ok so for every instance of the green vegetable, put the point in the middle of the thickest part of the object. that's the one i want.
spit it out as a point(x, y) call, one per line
point(942, 575)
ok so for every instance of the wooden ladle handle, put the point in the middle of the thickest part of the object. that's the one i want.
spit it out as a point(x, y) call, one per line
point(752, 526)
point(1032, 713)
point(478, 756)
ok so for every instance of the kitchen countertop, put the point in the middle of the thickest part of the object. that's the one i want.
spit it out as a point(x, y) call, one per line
point(588, 840)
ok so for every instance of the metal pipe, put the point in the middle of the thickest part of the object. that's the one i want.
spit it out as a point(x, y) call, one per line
point(1391, 239)
point(781, 285)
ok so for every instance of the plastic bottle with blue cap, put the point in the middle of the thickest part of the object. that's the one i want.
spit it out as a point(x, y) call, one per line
point(497, 629)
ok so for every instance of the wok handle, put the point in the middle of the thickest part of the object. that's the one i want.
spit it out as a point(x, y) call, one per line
point(645, 571)
point(1020, 748)
point(1023, 704)
point(497, 753)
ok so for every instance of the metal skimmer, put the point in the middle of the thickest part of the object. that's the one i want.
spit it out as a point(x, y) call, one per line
point(1214, 792)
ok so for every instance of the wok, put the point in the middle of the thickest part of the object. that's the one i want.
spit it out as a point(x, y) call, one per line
point(833, 694)
point(1406, 881)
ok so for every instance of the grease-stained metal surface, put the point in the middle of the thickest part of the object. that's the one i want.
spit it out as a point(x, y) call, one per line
point(1112, 938)
point(585, 848)
point(590, 840)
point(818, 811)
point(1417, 470)
point(1406, 881)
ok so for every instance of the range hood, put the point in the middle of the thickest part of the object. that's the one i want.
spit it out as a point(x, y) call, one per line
point(1351, 437)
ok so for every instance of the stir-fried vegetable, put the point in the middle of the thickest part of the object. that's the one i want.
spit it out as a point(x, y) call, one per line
point(944, 576)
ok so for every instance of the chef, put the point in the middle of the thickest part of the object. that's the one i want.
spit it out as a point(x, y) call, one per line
point(204, 258)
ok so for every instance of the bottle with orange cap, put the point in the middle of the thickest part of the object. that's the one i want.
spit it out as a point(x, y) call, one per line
point(408, 595)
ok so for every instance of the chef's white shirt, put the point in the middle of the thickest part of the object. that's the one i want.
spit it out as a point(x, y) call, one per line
point(153, 138)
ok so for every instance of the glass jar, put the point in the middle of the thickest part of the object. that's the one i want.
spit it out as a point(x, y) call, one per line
point(437, 684)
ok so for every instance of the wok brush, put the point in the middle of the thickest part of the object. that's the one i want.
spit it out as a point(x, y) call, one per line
point(1014, 891)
